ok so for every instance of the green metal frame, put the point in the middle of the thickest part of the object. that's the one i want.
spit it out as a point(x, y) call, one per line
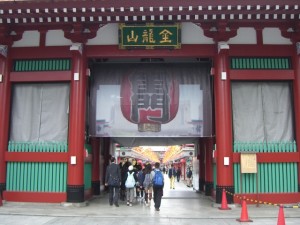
point(272, 177)
point(37, 176)
point(22, 65)
point(252, 63)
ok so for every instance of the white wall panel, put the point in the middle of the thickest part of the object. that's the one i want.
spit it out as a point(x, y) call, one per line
point(245, 35)
point(193, 34)
point(106, 35)
point(56, 38)
point(29, 39)
point(273, 36)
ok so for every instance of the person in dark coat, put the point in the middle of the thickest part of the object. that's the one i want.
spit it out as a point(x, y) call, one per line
point(113, 181)
point(178, 173)
point(172, 175)
point(157, 190)
point(124, 164)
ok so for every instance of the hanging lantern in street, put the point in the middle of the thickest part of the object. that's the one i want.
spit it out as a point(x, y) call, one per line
point(149, 100)
point(171, 153)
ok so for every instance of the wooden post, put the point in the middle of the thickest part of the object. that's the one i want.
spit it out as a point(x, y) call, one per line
point(223, 123)
point(75, 185)
point(5, 98)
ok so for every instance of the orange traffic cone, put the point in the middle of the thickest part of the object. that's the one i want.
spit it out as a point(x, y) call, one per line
point(224, 205)
point(244, 212)
point(281, 219)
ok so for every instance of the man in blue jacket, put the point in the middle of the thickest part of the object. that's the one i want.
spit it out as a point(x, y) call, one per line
point(172, 175)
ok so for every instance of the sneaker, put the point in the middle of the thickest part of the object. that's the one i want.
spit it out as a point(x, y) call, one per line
point(157, 209)
point(128, 203)
point(116, 204)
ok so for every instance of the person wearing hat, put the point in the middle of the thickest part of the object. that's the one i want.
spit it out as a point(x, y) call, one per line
point(131, 179)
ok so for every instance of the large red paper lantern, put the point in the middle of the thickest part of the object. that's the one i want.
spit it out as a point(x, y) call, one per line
point(149, 100)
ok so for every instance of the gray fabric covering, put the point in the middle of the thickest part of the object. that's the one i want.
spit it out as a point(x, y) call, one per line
point(40, 112)
point(193, 117)
point(262, 111)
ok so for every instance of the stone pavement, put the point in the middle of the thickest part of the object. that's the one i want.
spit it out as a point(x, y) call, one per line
point(182, 206)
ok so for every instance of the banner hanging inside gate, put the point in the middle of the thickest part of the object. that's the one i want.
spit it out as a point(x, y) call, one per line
point(151, 100)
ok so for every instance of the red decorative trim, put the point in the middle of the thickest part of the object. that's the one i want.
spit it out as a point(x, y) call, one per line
point(20, 196)
point(113, 51)
point(258, 50)
point(262, 75)
point(272, 157)
point(40, 52)
point(40, 76)
point(274, 198)
point(36, 156)
point(186, 50)
point(259, 36)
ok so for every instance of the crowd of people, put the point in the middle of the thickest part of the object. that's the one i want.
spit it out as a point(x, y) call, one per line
point(134, 180)
point(129, 180)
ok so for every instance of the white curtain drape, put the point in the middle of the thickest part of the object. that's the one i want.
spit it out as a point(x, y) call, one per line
point(262, 111)
point(40, 112)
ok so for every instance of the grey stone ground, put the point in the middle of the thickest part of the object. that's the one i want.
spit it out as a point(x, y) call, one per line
point(182, 206)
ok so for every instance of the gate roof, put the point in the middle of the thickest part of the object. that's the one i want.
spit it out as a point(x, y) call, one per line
point(43, 12)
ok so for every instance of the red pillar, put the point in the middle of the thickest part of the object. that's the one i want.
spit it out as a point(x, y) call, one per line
point(5, 87)
point(296, 87)
point(209, 166)
point(95, 142)
point(75, 185)
point(223, 123)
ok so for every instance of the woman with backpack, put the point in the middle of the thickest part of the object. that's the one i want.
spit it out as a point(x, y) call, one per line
point(131, 179)
point(147, 184)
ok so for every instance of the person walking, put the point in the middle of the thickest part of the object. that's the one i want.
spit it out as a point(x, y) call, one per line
point(158, 185)
point(172, 175)
point(124, 164)
point(113, 181)
point(131, 179)
point(147, 184)
point(178, 174)
point(189, 175)
point(140, 186)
